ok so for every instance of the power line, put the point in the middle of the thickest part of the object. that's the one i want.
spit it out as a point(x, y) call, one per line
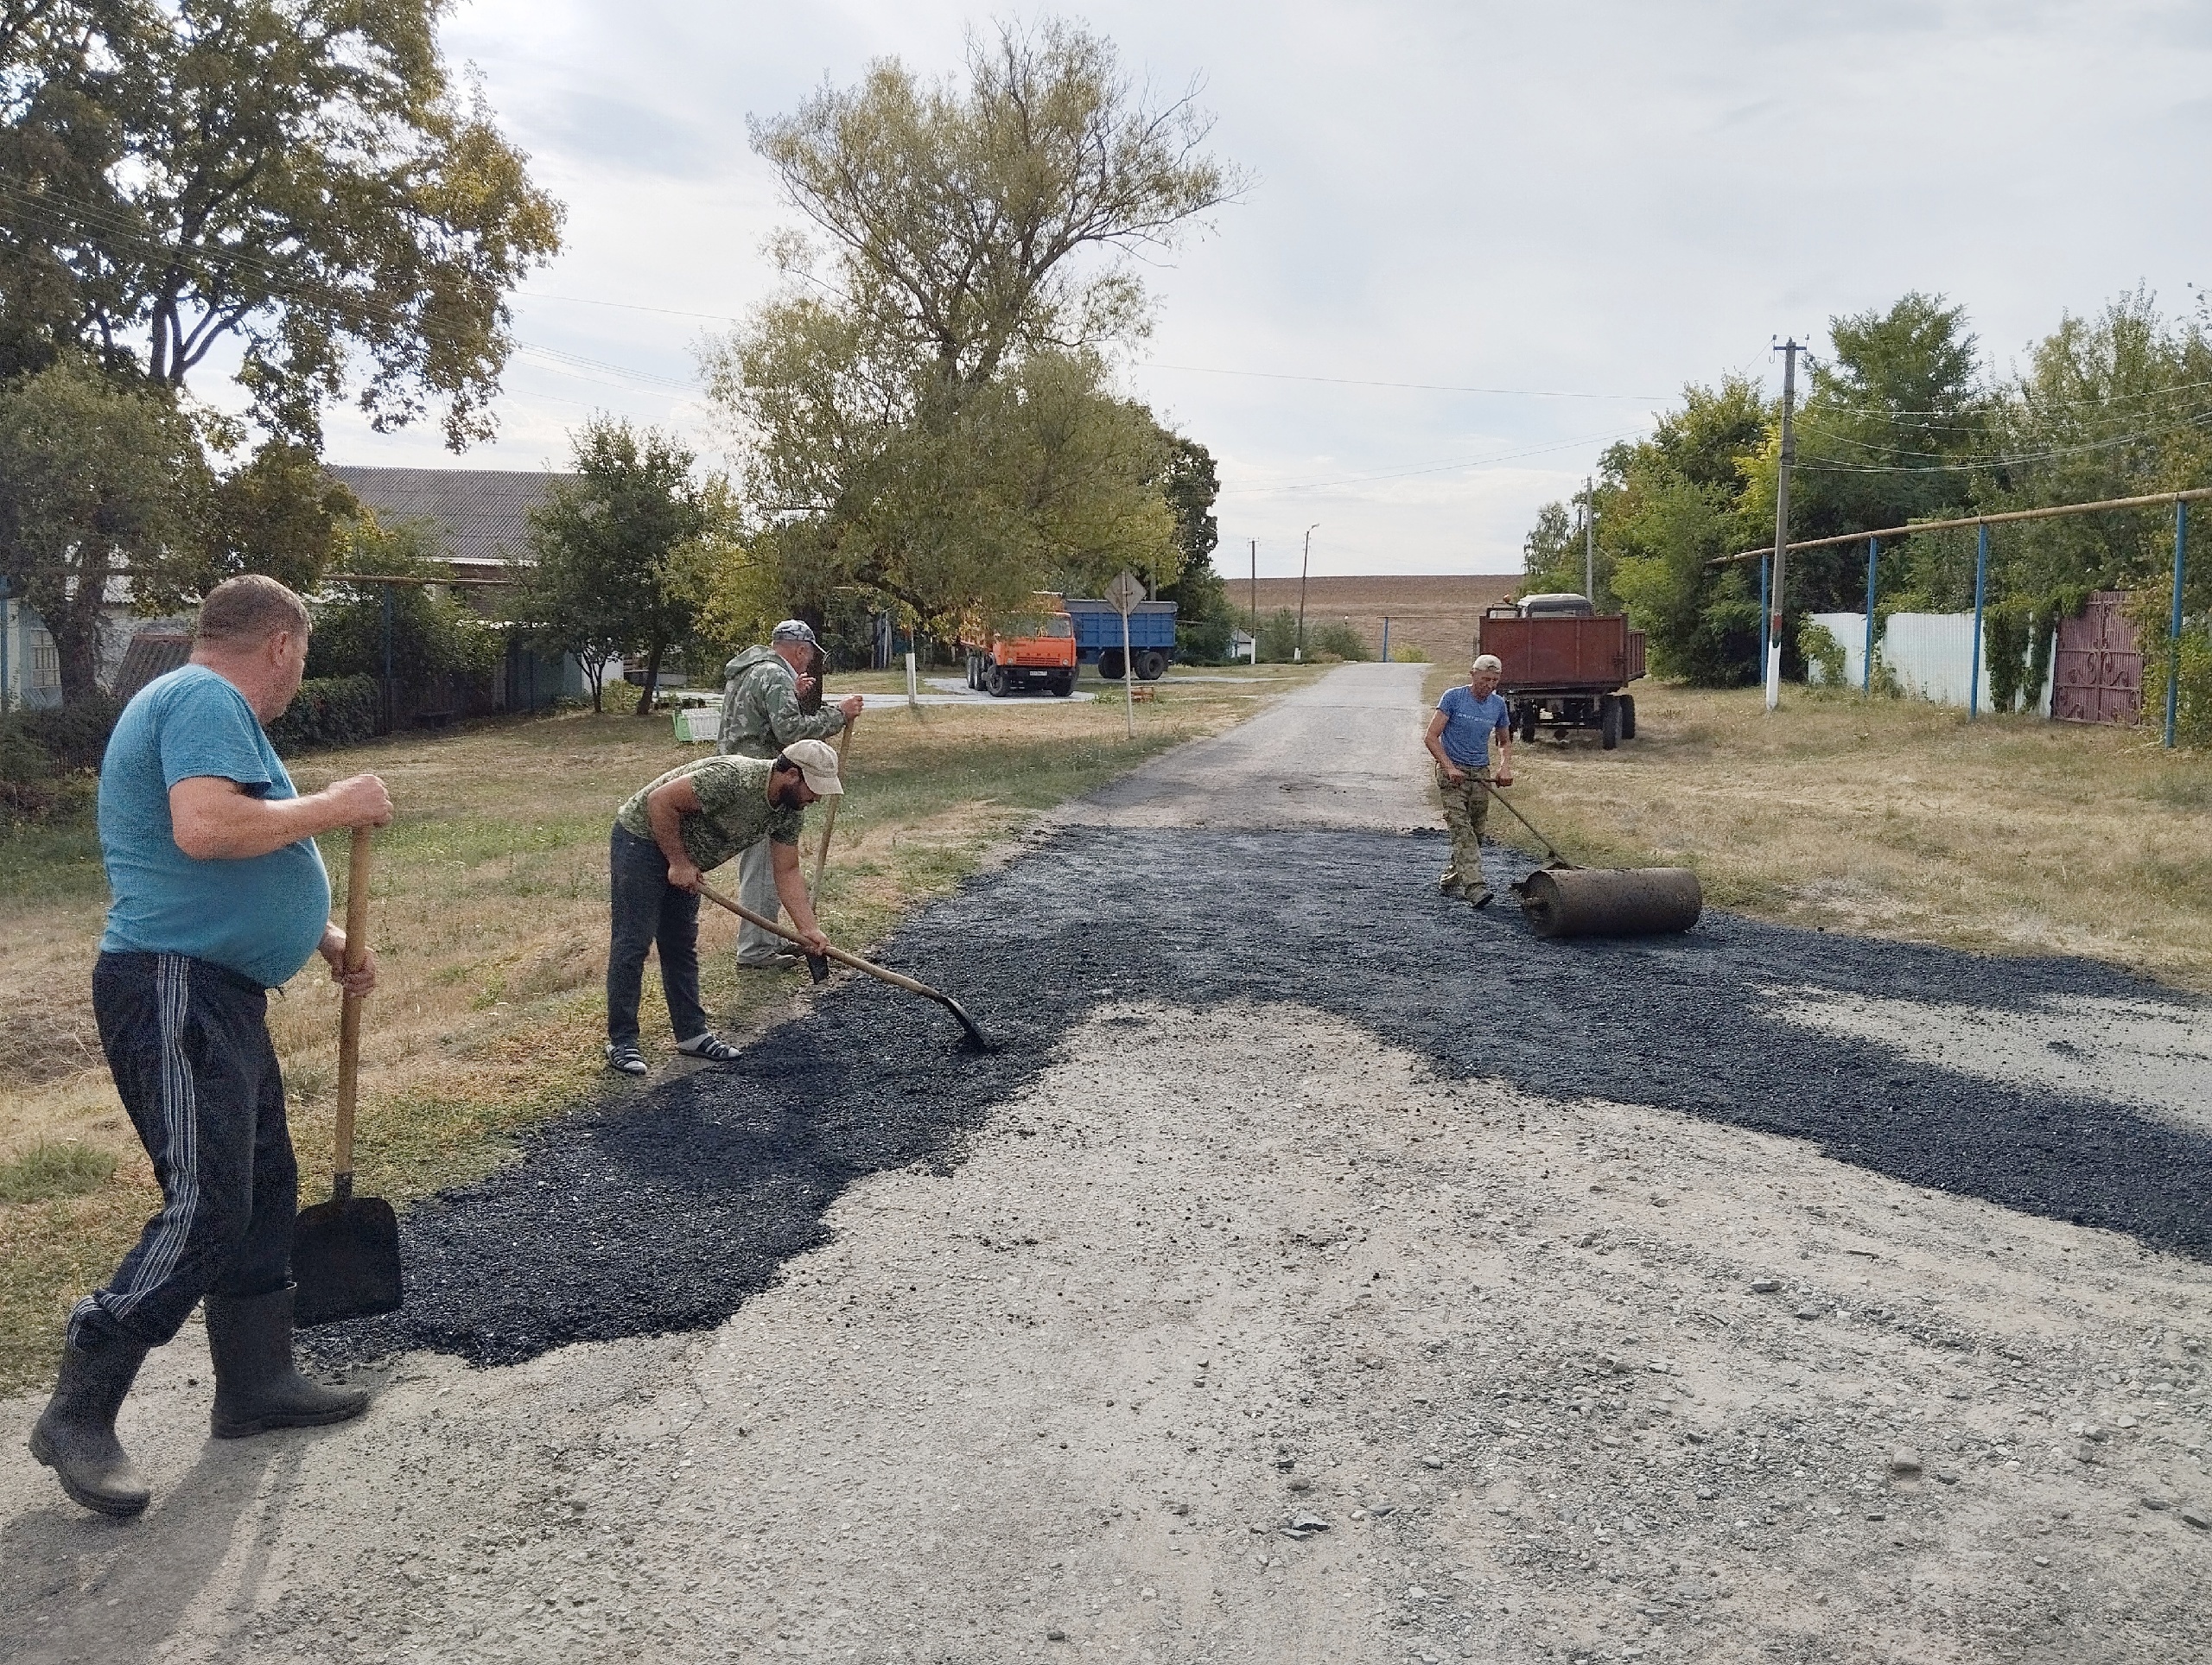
point(1436, 468)
point(1418, 387)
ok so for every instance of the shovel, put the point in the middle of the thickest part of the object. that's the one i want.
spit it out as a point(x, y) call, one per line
point(346, 1252)
point(976, 1035)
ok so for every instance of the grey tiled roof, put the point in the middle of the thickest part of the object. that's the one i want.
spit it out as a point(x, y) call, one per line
point(484, 512)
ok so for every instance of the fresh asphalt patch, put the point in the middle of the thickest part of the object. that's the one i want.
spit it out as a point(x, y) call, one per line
point(665, 1210)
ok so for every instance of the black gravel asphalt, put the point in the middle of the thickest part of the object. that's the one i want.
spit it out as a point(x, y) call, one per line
point(665, 1210)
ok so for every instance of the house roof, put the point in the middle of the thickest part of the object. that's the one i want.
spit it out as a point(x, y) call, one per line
point(485, 512)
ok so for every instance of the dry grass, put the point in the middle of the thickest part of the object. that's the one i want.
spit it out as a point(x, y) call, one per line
point(489, 915)
point(1898, 818)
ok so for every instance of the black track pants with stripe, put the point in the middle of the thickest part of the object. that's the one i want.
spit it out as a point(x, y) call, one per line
point(188, 1043)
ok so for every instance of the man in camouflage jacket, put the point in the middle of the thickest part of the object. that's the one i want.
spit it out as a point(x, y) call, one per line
point(761, 716)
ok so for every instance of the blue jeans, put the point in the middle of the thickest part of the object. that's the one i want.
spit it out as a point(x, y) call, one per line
point(649, 913)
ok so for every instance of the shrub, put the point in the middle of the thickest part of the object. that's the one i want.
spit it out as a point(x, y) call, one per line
point(1407, 653)
point(1202, 641)
point(1278, 635)
point(2006, 637)
point(73, 736)
point(1823, 653)
point(328, 711)
point(1338, 641)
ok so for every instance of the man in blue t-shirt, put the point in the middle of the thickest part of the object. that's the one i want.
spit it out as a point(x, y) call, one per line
point(220, 896)
point(1458, 738)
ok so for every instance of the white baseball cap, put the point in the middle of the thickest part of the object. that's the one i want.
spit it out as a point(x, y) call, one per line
point(817, 761)
point(1489, 662)
point(793, 630)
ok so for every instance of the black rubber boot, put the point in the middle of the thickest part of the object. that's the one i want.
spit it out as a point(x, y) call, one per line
point(256, 1387)
point(75, 1437)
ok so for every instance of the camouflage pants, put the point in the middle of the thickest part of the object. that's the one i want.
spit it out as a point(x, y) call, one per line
point(1466, 809)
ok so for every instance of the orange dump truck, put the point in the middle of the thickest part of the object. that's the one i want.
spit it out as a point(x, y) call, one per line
point(1026, 651)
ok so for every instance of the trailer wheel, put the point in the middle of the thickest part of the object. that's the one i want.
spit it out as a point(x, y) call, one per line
point(1152, 665)
point(1110, 663)
point(1628, 716)
point(996, 682)
point(1609, 721)
point(1528, 724)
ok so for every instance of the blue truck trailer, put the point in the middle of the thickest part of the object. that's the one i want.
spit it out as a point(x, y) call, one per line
point(1098, 637)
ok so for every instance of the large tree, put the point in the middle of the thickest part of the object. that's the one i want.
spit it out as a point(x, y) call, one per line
point(299, 178)
point(924, 410)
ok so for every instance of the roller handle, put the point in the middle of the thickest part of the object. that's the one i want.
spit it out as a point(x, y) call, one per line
point(349, 1018)
point(1499, 798)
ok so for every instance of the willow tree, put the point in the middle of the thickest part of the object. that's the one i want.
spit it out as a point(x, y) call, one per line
point(923, 410)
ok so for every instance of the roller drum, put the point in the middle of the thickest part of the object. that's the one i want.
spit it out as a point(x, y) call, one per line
point(1610, 901)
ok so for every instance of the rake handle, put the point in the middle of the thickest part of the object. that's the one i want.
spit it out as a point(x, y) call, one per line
point(829, 815)
point(349, 1017)
point(836, 952)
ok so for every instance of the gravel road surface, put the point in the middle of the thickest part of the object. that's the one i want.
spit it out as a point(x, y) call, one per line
point(1751, 1294)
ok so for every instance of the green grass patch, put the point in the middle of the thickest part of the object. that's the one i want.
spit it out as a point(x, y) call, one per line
point(46, 1172)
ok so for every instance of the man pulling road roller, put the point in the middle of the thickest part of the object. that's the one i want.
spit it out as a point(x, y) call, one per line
point(220, 896)
point(687, 822)
point(761, 715)
point(1458, 738)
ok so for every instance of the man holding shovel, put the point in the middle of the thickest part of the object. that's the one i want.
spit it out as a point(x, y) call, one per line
point(761, 715)
point(220, 896)
point(1458, 738)
point(688, 822)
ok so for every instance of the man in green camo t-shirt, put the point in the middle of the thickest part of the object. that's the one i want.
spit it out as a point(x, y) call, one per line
point(687, 822)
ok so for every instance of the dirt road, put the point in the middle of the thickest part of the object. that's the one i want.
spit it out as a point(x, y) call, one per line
point(1322, 1273)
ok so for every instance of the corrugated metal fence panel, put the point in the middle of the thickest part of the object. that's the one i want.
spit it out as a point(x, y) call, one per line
point(1932, 654)
point(2098, 667)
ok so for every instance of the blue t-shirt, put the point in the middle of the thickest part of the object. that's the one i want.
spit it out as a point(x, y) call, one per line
point(1469, 723)
point(263, 916)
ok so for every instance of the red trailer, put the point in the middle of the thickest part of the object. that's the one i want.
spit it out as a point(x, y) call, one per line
point(1565, 665)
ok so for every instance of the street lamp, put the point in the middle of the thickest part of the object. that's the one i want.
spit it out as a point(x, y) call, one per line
point(1306, 560)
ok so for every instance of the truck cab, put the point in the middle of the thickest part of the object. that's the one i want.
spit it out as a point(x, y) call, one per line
point(1034, 649)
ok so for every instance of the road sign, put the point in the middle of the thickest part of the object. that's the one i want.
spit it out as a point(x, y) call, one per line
point(1124, 593)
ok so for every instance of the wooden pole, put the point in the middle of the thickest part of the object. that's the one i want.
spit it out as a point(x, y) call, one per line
point(349, 1013)
point(829, 815)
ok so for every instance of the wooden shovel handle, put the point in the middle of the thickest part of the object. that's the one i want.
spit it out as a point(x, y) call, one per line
point(349, 1020)
point(829, 815)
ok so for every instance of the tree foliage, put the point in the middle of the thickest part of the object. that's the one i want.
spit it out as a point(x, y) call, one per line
point(1904, 423)
point(925, 411)
point(100, 481)
point(625, 548)
point(410, 629)
point(299, 176)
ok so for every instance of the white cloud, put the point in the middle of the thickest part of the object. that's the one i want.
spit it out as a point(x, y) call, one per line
point(1605, 197)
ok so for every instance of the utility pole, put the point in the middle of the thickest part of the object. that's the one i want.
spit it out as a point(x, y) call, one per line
point(1305, 561)
point(1589, 543)
point(1256, 586)
point(1789, 350)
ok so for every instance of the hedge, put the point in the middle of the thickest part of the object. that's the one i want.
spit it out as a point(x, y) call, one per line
point(328, 711)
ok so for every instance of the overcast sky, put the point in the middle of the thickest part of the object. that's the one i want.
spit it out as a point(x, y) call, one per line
point(1590, 204)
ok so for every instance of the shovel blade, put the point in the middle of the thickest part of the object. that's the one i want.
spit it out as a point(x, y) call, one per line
point(346, 1260)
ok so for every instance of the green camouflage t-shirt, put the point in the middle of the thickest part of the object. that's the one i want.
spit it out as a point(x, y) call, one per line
point(734, 810)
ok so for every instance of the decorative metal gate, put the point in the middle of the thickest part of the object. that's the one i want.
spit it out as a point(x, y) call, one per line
point(2097, 673)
